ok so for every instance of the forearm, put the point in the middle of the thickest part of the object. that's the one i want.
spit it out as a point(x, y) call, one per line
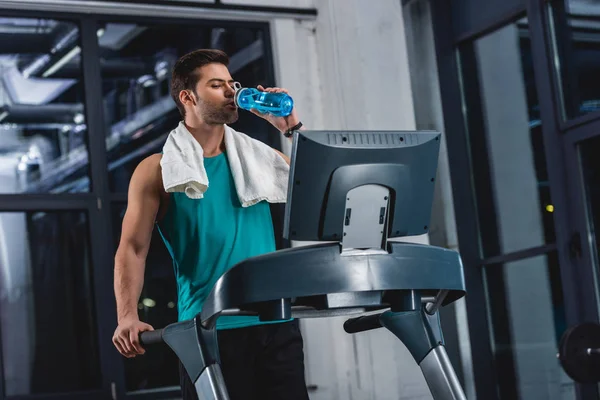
point(291, 137)
point(128, 284)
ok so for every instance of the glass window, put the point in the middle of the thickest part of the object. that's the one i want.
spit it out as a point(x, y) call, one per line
point(136, 64)
point(527, 318)
point(505, 138)
point(47, 318)
point(577, 46)
point(590, 164)
point(157, 306)
point(42, 116)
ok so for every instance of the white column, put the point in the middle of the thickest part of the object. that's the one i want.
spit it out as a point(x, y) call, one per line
point(349, 70)
point(429, 116)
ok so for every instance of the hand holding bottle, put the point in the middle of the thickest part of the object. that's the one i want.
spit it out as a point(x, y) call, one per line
point(272, 104)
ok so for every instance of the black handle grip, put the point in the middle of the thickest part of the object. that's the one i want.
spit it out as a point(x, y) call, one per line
point(151, 337)
point(364, 323)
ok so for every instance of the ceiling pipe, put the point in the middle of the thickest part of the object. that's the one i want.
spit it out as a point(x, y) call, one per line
point(62, 51)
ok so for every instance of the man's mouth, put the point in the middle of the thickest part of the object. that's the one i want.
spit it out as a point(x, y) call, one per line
point(231, 105)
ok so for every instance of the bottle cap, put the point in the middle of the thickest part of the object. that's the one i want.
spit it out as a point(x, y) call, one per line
point(237, 87)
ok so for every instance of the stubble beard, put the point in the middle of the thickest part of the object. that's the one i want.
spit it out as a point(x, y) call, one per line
point(215, 115)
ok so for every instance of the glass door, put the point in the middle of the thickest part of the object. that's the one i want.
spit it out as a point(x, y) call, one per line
point(583, 169)
point(573, 37)
point(590, 171)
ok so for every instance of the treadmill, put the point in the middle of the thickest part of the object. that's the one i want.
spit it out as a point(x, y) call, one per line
point(352, 192)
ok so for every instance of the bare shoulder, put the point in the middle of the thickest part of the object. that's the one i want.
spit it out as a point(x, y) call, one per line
point(150, 163)
point(147, 175)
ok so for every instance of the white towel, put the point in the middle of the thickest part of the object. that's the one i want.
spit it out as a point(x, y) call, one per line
point(259, 172)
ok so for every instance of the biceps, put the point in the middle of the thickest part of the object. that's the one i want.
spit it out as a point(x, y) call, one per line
point(138, 224)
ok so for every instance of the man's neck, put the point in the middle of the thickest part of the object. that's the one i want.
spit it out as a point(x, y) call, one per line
point(210, 137)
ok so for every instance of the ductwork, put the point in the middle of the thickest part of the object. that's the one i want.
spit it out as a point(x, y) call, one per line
point(109, 69)
point(40, 114)
point(31, 26)
point(63, 49)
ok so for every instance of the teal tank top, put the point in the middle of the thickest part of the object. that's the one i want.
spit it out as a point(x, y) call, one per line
point(208, 236)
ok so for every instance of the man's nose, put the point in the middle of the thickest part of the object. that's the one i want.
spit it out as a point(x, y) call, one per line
point(229, 91)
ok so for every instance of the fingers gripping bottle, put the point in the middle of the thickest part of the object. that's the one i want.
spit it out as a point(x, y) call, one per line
point(278, 104)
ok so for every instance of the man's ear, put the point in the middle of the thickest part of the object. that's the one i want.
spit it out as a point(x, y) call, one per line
point(186, 98)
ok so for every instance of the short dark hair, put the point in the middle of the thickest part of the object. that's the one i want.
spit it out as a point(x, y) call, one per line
point(185, 75)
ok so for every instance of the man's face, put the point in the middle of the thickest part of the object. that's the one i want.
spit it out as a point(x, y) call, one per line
point(214, 95)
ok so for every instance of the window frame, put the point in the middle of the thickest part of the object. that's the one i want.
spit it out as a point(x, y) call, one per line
point(99, 202)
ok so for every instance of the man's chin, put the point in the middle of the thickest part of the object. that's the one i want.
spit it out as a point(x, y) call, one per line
point(233, 117)
point(225, 118)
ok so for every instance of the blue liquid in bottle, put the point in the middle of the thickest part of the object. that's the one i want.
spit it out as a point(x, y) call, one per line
point(278, 104)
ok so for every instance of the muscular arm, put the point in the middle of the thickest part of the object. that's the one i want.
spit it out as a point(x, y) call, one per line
point(138, 223)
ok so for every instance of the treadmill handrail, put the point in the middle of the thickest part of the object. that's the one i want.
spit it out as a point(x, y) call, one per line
point(321, 269)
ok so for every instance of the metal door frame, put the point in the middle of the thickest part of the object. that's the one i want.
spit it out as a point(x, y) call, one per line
point(560, 139)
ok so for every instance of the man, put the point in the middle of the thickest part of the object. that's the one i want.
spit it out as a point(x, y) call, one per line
point(206, 237)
